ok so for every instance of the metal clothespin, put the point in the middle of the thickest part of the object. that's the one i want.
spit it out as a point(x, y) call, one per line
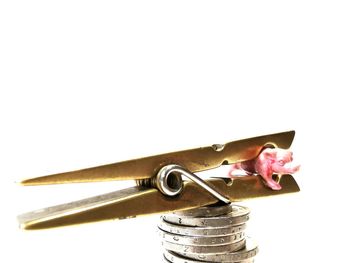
point(159, 185)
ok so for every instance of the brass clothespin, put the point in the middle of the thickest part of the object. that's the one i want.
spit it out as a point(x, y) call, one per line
point(160, 188)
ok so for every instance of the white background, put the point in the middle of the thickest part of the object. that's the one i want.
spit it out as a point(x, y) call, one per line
point(84, 83)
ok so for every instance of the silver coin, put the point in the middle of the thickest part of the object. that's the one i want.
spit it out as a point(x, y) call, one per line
point(203, 250)
point(248, 252)
point(207, 211)
point(201, 240)
point(200, 231)
point(172, 257)
point(238, 216)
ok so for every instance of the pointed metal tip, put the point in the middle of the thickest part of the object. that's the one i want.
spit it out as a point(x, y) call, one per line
point(34, 181)
point(60, 178)
point(26, 182)
point(22, 224)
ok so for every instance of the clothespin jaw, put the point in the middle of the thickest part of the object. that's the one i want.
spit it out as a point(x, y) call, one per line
point(147, 199)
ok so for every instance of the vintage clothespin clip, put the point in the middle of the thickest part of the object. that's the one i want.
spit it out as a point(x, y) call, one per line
point(160, 189)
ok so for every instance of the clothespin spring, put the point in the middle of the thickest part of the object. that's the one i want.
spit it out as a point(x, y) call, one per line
point(169, 182)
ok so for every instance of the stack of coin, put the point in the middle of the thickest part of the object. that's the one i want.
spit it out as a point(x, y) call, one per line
point(207, 234)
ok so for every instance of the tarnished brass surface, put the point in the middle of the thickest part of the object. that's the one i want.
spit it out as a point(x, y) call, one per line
point(141, 200)
point(193, 160)
point(137, 201)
